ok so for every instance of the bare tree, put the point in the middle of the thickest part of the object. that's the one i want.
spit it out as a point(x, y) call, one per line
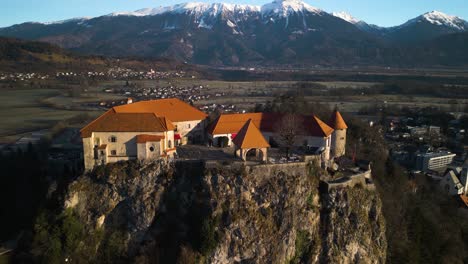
point(288, 130)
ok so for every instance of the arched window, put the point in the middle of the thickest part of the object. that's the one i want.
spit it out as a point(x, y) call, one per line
point(113, 139)
point(169, 144)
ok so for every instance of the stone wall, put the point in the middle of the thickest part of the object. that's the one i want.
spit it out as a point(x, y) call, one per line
point(364, 179)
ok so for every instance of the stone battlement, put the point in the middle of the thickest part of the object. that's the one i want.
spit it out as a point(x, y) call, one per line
point(363, 179)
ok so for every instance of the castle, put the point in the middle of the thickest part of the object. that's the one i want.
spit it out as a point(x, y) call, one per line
point(153, 129)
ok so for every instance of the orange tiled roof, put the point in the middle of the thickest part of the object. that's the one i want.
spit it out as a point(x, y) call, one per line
point(167, 123)
point(318, 127)
point(337, 121)
point(171, 108)
point(266, 122)
point(148, 138)
point(250, 137)
point(232, 123)
point(111, 121)
point(103, 146)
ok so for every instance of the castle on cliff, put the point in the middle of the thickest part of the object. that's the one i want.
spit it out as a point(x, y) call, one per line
point(154, 129)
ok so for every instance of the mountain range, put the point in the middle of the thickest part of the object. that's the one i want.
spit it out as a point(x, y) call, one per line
point(284, 32)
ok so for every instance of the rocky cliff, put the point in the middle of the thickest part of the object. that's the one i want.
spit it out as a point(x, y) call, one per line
point(191, 212)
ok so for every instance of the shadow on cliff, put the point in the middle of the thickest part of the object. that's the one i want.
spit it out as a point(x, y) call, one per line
point(183, 217)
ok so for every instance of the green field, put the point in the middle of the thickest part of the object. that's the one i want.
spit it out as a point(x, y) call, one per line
point(23, 111)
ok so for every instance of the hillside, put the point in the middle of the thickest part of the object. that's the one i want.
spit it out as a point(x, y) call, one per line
point(34, 56)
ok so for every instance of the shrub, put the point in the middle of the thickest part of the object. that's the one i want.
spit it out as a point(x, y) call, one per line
point(302, 247)
point(208, 235)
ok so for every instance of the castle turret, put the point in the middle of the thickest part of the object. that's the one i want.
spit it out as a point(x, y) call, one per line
point(338, 141)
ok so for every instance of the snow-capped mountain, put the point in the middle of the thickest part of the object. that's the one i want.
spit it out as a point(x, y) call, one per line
point(426, 27)
point(359, 23)
point(195, 8)
point(277, 7)
point(346, 17)
point(285, 8)
point(280, 32)
point(75, 19)
point(440, 19)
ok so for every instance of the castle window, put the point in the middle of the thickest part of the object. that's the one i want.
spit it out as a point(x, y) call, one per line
point(102, 152)
point(113, 139)
point(169, 144)
point(151, 148)
point(113, 152)
point(188, 126)
point(342, 138)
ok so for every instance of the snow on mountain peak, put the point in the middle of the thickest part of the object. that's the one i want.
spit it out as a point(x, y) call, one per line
point(196, 8)
point(286, 7)
point(76, 19)
point(346, 17)
point(439, 18)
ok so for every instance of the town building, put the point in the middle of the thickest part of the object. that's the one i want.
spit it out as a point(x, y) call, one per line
point(434, 161)
point(142, 130)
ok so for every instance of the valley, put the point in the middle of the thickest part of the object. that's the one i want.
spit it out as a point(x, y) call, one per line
point(33, 108)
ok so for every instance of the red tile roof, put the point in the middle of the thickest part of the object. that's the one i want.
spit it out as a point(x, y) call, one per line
point(337, 121)
point(317, 127)
point(250, 137)
point(266, 122)
point(171, 108)
point(125, 122)
point(148, 138)
point(232, 123)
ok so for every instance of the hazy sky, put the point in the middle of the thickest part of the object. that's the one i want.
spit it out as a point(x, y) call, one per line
point(380, 12)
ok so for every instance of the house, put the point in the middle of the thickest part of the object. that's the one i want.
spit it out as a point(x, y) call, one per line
point(434, 161)
point(142, 130)
point(313, 132)
point(189, 122)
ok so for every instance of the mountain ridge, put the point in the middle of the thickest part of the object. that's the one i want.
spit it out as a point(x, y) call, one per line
point(434, 16)
point(282, 32)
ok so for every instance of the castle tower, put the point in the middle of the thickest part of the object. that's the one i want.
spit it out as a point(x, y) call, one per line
point(338, 141)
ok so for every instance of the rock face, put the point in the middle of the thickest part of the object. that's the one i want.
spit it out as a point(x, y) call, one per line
point(352, 227)
point(191, 212)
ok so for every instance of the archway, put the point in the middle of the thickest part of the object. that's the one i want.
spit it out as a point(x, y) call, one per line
point(254, 155)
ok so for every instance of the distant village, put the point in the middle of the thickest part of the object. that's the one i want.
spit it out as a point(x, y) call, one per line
point(190, 94)
point(115, 73)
